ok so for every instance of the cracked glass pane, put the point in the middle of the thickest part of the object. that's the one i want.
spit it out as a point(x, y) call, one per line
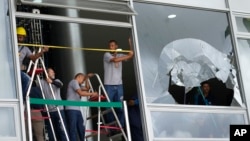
point(179, 53)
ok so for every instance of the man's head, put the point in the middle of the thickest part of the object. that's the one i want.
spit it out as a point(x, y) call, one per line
point(113, 44)
point(205, 87)
point(80, 78)
point(21, 34)
point(51, 73)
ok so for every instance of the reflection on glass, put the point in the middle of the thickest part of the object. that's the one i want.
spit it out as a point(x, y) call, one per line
point(7, 122)
point(243, 24)
point(244, 61)
point(7, 81)
point(178, 54)
point(193, 125)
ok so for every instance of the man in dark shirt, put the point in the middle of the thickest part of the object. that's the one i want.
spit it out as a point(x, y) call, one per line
point(203, 95)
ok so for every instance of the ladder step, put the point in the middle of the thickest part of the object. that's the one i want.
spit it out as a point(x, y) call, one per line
point(37, 110)
point(91, 135)
point(116, 135)
point(95, 132)
point(37, 71)
point(95, 98)
point(102, 131)
point(39, 118)
point(110, 127)
point(111, 123)
point(102, 113)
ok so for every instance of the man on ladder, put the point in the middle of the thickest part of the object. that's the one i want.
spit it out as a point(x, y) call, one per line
point(25, 78)
point(56, 85)
point(23, 52)
point(73, 113)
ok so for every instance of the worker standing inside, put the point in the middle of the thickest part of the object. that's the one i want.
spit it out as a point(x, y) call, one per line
point(73, 113)
point(113, 77)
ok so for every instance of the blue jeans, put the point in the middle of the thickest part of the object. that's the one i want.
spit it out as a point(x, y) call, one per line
point(57, 125)
point(75, 124)
point(25, 80)
point(115, 93)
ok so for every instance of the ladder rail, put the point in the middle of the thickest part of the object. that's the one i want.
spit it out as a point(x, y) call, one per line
point(47, 109)
point(99, 115)
point(113, 110)
point(101, 88)
point(87, 109)
point(28, 101)
point(125, 107)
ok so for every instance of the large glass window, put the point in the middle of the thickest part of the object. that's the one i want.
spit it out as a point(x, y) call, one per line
point(179, 49)
point(7, 81)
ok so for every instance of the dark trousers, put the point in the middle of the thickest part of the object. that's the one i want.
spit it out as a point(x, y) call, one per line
point(75, 124)
point(57, 125)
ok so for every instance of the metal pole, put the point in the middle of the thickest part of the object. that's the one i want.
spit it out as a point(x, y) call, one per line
point(127, 120)
point(29, 118)
point(28, 102)
point(99, 114)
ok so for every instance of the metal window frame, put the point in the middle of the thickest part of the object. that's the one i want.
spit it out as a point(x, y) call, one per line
point(72, 19)
point(19, 110)
point(133, 12)
point(239, 35)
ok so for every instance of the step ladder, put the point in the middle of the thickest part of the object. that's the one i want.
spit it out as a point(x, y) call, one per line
point(102, 126)
point(35, 69)
point(35, 72)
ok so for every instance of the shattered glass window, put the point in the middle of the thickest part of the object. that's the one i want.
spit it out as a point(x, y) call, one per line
point(180, 49)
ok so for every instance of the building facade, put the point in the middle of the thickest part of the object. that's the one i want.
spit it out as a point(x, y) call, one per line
point(178, 44)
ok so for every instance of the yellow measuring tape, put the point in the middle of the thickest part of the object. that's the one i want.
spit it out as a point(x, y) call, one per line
point(73, 48)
